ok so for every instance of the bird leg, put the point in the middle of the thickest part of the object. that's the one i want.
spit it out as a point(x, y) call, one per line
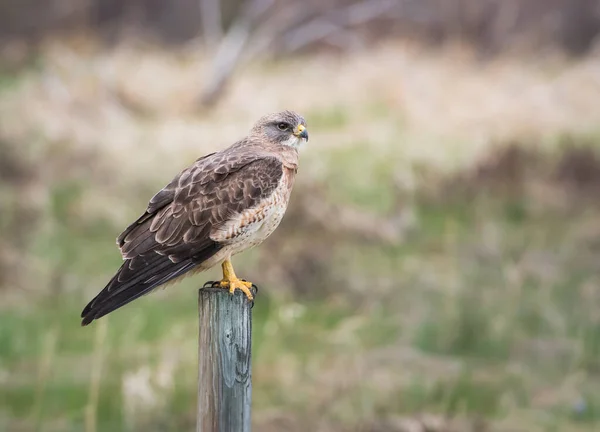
point(231, 281)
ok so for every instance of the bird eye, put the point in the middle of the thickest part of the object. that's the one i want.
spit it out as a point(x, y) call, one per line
point(282, 126)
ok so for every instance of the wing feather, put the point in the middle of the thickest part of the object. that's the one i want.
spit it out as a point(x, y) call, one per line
point(174, 233)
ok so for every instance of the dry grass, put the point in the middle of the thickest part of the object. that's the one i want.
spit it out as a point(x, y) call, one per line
point(443, 108)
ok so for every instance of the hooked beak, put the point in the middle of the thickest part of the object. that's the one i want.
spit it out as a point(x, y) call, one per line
point(301, 132)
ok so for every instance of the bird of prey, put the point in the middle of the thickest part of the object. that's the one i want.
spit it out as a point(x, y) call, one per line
point(225, 203)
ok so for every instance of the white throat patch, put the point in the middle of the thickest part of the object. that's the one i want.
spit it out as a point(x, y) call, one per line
point(293, 141)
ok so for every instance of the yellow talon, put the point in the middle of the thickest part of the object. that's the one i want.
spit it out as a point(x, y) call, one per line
point(232, 282)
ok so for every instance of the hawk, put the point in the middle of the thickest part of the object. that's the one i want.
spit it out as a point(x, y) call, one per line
point(225, 203)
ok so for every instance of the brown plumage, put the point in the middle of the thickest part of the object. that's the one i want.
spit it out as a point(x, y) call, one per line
point(223, 204)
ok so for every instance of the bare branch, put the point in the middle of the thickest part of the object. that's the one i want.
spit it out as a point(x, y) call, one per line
point(225, 61)
point(231, 48)
point(336, 21)
point(244, 34)
point(210, 11)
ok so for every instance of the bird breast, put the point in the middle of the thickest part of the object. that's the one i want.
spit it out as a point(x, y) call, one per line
point(254, 225)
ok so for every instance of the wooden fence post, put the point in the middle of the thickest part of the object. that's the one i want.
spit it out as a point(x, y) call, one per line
point(224, 363)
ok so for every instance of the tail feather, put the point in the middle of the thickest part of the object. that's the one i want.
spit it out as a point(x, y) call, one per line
point(128, 285)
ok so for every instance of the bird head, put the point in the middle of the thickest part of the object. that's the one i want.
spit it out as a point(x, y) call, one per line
point(283, 128)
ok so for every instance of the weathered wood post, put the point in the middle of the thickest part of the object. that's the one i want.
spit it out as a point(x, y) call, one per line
point(224, 363)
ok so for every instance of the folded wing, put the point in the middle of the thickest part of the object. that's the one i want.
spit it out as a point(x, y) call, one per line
point(174, 234)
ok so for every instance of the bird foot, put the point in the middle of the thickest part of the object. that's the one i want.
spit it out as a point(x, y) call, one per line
point(233, 284)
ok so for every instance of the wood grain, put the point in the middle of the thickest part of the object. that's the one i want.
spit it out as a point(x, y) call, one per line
point(224, 361)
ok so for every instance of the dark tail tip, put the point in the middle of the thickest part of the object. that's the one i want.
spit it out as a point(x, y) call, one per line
point(87, 315)
point(86, 321)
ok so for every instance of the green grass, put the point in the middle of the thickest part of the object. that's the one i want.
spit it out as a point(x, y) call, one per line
point(487, 310)
point(371, 187)
point(328, 118)
point(462, 395)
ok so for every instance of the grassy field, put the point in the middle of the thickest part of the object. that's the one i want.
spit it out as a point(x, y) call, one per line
point(457, 290)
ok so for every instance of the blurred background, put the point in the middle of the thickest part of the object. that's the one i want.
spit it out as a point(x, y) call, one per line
point(438, 268)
